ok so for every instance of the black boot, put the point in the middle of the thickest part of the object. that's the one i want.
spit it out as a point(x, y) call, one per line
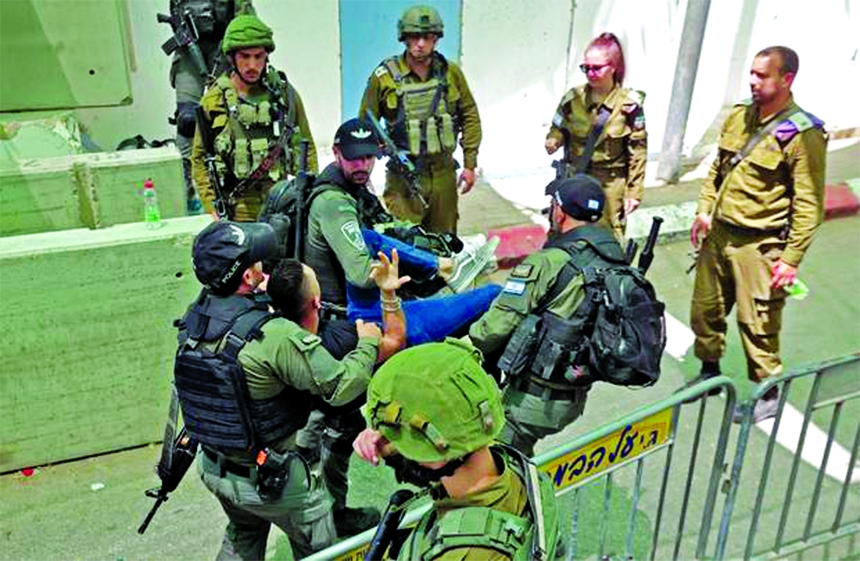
point(710, 369)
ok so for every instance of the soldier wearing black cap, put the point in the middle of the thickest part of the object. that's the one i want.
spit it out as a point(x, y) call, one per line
point(534, 406)
point(246, 381)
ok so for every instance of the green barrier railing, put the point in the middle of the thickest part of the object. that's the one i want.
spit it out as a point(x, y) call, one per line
point(824, 391)
point(635, 442)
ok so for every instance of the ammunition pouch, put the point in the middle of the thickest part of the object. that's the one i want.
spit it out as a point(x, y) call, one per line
point(547, 347)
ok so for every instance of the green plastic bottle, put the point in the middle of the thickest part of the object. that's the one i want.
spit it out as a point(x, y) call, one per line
point(151, 212)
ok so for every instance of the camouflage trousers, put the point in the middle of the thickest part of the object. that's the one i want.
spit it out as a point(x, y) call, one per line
point(734, 269)
point(439, 188)
point(528, 418)
point(303, 514)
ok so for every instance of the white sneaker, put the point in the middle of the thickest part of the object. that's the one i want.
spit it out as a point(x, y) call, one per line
point(470, 263)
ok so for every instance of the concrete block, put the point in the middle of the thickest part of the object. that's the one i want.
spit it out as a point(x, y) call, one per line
point(87, 190)
point(88, 337)
point(839, 200)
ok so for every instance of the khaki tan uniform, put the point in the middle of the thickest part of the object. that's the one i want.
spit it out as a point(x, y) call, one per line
point(764, 210)
point(245, 131)
point(619, 157)
point(425, 117)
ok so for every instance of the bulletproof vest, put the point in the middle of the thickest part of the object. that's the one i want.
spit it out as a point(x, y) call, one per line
point(253, 129)
point(331, 276)
point(523, 537)
point(216, 405)
point(545, 345)
point(425, 125)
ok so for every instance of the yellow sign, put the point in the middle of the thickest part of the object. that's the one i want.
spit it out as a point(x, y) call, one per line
point(356, 554)
point(620, 446)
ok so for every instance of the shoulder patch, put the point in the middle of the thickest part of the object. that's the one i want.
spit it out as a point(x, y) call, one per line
point(522, 271)
point(352, 232)
point(635, 96)
point(797, 123)
point(380, 71)
point(745, 102)
point(515, 287)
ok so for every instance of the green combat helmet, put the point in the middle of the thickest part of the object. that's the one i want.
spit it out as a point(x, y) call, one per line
point(419, 19)
point(435, 403)
point(246, 32)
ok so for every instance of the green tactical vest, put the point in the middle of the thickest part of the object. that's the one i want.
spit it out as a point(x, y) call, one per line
point(254, 129)
point(516, 536)
point(424, 125)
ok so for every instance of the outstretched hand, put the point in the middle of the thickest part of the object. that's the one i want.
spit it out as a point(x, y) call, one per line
point(385, 273)
point(370, 446)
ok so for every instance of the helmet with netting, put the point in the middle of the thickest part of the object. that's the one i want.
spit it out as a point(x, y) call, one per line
point(434, 402)
point(419, 19)
point(247, 32)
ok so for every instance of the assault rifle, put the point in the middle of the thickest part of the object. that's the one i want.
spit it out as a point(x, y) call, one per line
point(387, 529)
point(647, 256)
point(398, 159)
point(303, 181)
point(184, 36)
point(176, 458)
point(208, 142)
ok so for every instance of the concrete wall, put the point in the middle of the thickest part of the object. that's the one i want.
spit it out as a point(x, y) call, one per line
point(521, 56)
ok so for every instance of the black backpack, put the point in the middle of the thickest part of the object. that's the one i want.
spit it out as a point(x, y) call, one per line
point(618, 331)
point(286, 210)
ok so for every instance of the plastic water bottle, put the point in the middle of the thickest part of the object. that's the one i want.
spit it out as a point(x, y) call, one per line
point(797, 290)
point(151, 212)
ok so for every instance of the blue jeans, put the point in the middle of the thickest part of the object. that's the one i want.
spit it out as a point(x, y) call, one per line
point(429, 319)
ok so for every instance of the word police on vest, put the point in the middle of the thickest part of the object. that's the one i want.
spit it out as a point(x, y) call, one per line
point(223, 250)
point(579, 196)
point(357, 139)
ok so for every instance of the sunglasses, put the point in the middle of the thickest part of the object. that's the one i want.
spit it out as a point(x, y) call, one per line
point(592, 67)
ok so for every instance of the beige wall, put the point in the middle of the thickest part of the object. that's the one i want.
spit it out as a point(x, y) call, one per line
point(520, 56)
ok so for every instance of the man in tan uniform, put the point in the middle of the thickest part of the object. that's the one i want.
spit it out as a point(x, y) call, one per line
point(426, 104)
point(256, 120)
point(613, 114)
point(758, 211)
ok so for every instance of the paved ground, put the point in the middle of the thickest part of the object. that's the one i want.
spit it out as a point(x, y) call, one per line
point(90, 509)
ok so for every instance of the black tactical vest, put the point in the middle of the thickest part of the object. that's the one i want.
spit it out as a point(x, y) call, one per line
point(216, 406)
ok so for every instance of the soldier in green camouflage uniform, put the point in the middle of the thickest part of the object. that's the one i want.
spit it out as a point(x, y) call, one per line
point(758, 211)
point(257, 118)
point(210, 19)
point(426, 104)
point(434, 414)
point(536, 407)
point(621, 150)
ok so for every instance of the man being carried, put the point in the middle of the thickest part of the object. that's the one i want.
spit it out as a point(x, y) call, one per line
point(341, 217)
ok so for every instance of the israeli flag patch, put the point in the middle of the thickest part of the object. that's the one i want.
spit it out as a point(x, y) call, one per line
point(593, 204)
point(558, 120)
point(514, 287)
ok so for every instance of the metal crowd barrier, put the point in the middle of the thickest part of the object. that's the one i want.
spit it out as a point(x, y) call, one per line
point(634, 442)
point(672, 508)
point(787, 507)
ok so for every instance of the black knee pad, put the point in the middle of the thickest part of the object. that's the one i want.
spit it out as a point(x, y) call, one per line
point(186, 118)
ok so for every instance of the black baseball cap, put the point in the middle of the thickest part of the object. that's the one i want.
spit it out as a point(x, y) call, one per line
point(580, 196)
point(356, 138)
point(224, 250)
